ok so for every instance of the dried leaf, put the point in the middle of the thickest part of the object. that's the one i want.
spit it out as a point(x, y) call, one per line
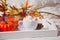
point(13, 12)
point(13, 8)
point(26, 5)
point(35, 13)
point(1, 9)
point(3, 5)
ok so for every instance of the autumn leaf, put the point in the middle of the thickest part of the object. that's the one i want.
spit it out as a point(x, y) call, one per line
point(3, 5)
point(26, 5)
point(35, 13)
point(13, 11)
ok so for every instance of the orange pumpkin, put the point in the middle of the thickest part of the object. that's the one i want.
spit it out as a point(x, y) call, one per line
point(8, 26)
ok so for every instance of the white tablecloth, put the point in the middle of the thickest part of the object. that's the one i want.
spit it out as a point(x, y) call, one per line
point(42, 38)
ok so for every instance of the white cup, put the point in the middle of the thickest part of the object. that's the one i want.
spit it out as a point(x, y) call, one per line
point(29, 23)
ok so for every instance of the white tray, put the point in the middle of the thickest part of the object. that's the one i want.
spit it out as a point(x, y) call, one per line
point(46, 31)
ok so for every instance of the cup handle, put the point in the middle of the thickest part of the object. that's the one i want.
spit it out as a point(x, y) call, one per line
point(20, 22)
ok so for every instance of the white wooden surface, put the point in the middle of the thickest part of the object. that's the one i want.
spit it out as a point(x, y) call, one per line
point(41, 38)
